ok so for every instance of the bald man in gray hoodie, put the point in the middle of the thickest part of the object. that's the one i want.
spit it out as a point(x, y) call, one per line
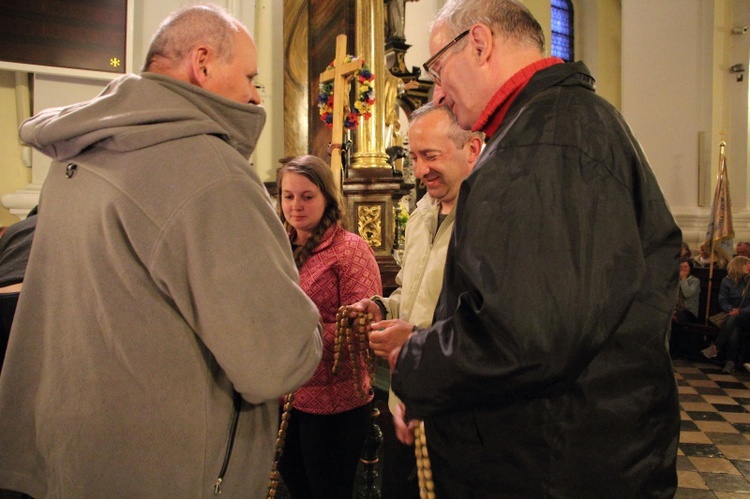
point(161, 315)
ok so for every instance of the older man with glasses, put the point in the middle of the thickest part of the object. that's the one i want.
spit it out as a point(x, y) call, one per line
point(545, 373)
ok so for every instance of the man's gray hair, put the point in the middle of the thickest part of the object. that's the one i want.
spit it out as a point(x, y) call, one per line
point(510, 17)
point(458, 135)
point(185, 28)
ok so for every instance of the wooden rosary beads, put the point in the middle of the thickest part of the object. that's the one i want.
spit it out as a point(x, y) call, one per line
point(355, 332)
point(275, 476)
point(424, 470)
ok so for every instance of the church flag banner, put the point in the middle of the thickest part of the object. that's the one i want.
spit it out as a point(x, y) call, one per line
point(720, 231)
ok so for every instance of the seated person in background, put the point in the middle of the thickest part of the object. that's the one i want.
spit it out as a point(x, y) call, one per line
point(704, 256)
point(329, 418)
point(685, 251)
point(15, 246)
point(732, 299)
point(742, 328)
point(686, 309)
point(703, 260)
point(743, 249)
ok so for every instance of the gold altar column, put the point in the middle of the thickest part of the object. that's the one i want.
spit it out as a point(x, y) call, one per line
point(369, 148)
point(371, 189)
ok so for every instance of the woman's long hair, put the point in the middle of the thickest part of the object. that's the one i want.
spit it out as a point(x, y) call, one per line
point(319, 173)
point(734, 268)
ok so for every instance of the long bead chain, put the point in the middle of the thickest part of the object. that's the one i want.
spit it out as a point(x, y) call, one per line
point(355, 333)
point(274, 476)
point(357, 342)
point(424, 470)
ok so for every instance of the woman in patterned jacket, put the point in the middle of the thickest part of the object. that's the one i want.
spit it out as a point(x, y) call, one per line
point(330, 416)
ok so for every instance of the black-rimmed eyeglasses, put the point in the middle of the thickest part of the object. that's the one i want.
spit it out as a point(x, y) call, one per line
point(432, 60)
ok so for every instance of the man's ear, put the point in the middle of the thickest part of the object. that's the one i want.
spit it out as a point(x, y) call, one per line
point(482, 41)
point(475, 148)
point(199, 65)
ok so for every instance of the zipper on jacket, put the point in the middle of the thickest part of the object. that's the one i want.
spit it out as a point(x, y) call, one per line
point(230, 443)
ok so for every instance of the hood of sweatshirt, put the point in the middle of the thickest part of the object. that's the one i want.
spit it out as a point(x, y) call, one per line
point(137, 111)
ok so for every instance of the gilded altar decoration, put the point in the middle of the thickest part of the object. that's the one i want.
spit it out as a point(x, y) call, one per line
point(401, 215)
point(369, 225)
point(362, 106)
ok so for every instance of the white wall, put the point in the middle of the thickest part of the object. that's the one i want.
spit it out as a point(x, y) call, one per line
point(418, 17)
point(682, 100)
point(737, 137)
point(598, 42)
point(667, 96)
point(663, 89)
point(269, 37)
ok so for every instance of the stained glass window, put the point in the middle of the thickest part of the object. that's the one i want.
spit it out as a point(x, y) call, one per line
point(562, 30)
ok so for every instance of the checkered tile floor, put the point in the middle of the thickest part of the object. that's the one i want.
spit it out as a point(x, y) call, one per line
point(713, 460)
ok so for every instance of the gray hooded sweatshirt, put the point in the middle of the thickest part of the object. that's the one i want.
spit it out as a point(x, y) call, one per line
point(160, 279)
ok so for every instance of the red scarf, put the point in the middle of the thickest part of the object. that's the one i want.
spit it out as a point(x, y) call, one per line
point(494, 113)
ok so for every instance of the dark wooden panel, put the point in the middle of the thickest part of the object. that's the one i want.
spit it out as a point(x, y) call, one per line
point(328, 19)
point(78, 34)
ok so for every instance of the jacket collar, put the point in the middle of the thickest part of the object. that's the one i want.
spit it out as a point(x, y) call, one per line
point(496, 109)
point(429, 208)
point(566, 74)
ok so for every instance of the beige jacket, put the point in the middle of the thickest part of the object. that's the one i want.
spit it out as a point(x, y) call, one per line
point(421, 276)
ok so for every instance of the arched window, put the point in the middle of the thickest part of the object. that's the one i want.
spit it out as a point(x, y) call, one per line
point(562, 30)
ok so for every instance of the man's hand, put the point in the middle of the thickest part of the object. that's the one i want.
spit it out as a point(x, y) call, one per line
point(389, 334)
point(404, 431)
point(367, 305)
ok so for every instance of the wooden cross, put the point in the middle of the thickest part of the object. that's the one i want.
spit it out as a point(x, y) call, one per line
point(340, 73)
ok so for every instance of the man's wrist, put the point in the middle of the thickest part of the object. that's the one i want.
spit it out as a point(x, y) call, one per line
point(381, 306)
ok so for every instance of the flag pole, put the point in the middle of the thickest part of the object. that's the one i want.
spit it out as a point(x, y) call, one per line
point(717, 194)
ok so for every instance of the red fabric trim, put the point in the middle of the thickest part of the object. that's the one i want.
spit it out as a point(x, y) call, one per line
point(496, 109)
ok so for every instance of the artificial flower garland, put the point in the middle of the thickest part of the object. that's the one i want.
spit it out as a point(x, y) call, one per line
point(365, 80)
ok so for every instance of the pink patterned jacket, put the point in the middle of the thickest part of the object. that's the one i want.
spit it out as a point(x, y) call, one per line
point(342, 270)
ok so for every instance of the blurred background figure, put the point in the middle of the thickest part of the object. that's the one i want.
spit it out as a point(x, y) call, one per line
point(15, 247)
point(686, 308)
point(743, 249)
point(733, 301)
point(685, 251)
